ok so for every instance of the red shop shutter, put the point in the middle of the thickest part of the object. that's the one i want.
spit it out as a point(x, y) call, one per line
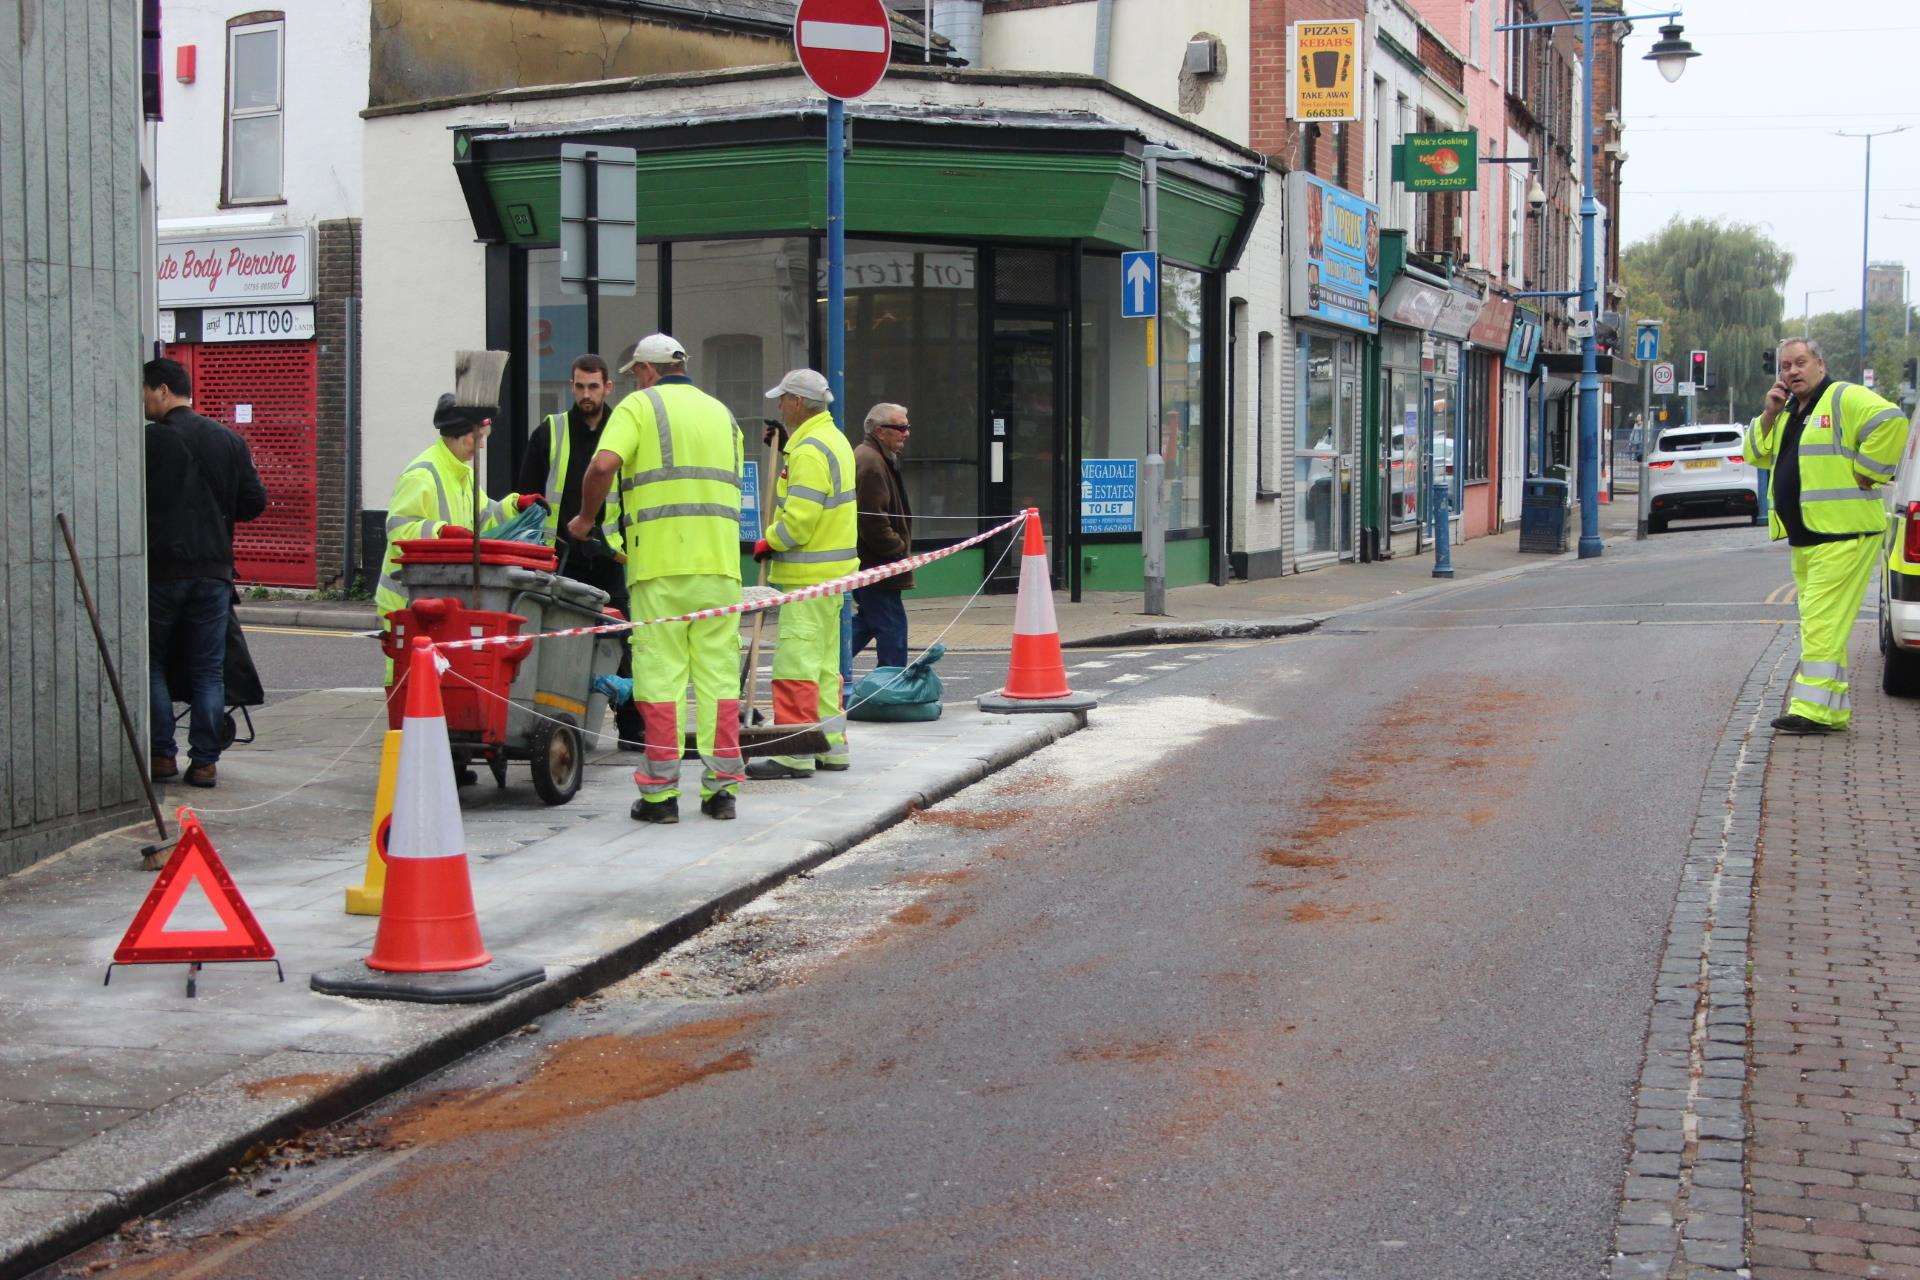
point(278, 380)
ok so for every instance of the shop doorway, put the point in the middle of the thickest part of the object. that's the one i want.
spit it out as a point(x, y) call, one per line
point(1026, 426)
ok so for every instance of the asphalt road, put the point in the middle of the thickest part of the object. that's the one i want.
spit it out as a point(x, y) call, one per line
point(1328, 957)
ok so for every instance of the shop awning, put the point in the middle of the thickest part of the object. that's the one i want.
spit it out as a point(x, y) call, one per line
point(961, 172)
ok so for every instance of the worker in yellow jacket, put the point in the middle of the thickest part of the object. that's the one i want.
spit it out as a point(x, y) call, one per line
point(678, 456)
point(1829, 445)
point(813, 536)
point(433, 498)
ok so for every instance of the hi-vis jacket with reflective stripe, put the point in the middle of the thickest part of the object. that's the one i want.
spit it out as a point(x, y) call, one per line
point(559, 444)
point(435, 489)
point(1850, 435)
point(815, 532)
point(680, 454)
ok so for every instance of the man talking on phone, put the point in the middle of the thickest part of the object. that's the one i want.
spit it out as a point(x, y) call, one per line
point(1830, 445)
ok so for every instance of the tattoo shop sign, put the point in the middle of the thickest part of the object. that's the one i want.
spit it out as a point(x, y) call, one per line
point(273, 264)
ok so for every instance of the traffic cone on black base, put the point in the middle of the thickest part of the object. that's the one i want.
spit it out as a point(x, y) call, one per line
point(428, 947)
point(1036, 673)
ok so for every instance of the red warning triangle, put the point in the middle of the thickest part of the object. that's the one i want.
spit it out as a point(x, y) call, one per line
point(148, 939)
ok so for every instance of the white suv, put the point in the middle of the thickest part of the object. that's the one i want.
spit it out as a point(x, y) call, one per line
point(1900, 581)
point(1700, 471)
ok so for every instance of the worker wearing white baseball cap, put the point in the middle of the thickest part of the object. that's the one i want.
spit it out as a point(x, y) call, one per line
point(811, 538)
point(677, 453)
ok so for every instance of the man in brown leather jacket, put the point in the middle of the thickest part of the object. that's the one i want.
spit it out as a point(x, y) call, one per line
point(886, 534)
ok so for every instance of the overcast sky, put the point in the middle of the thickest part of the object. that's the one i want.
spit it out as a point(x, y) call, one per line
point(1748, 132)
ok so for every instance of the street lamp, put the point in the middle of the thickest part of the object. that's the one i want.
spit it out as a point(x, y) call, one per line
point(1806, 311)
point(1866, 226)
point(1671, 53)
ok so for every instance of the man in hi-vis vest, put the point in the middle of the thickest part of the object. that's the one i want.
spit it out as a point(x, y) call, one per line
point(556, 460)
point(812, 537)
point(1830, 445)
point(678, 456)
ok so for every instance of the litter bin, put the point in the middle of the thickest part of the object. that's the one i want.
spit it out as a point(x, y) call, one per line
point(1543, 516)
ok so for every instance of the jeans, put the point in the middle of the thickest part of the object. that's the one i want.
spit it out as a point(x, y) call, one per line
point(189, 615)
point(881, 616)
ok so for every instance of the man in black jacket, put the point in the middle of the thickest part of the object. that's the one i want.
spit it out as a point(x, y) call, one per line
point(886, 534)
point(200, 483)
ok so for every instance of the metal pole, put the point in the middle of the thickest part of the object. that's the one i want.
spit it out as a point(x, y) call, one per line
point(1153, 529)
point(1647, 435)
point(837, 255)
point(1866, 228)
point(1590, 544)
point(141, 759)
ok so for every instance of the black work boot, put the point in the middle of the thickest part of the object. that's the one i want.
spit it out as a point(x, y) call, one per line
point(719, 805)
point(1800, 724)
point(771, 770)
point(664, 812)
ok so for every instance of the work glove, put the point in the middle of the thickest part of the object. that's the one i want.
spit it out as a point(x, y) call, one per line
point(776, 430)
point(528, 499)
point(762, 552)
point(618, 689)
point(454, 531)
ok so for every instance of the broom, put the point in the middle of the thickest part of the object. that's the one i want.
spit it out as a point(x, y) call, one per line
point(476, 394)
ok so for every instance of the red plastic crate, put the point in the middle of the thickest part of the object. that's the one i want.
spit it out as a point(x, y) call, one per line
point(492, 667)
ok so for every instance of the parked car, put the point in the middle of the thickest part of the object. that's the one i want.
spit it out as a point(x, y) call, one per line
point(1699, 471)
point(1900, 582)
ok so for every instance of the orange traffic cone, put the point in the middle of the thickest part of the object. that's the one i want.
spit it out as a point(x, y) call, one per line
point(1036, 673)
point(428, 946)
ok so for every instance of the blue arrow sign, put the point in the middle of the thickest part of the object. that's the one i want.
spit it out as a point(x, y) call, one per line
point(1139, 285)
point(1646, 343)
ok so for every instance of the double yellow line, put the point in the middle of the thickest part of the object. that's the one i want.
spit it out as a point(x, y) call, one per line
point(1786, 594)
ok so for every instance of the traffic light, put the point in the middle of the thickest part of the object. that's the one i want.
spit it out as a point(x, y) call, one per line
point(1697, 365)
point(1769, 361)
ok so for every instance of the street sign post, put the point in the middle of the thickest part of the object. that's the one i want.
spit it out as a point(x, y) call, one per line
point(1646, 349)
point(1140, 285)
point(844, 47)
point(1663, 379)
point(1685, 389)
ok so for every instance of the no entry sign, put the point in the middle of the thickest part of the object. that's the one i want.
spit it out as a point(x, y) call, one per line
point(843, 45)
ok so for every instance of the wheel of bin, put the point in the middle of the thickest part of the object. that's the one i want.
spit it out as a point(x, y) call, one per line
point(558, 758)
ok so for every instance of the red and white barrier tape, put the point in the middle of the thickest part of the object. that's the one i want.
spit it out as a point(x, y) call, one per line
point(838, 586)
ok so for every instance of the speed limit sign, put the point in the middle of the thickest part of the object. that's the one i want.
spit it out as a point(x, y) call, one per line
point(1663, 379)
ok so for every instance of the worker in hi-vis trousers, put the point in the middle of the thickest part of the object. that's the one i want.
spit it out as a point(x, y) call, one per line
point(433, 498)
point(1829, 445)
point(677, 454)
point(813, 537)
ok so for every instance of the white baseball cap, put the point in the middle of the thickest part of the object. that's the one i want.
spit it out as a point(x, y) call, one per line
point(805, 383)
point(655, 348)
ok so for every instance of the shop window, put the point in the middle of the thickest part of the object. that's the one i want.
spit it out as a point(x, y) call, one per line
point(1473, 452)
point(1183, 389)
point(1266, 476)
point(625, 320)
point(740, 308)
point(556, 333)
point(730, 365)
point(913, 338)
point(1317, 448)
point(256, 65)
point(1113, 381)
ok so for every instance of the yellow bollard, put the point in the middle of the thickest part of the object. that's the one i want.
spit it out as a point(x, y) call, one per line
point(364, 900)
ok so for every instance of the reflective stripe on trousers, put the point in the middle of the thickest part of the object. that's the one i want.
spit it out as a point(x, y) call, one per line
point(1833, 578)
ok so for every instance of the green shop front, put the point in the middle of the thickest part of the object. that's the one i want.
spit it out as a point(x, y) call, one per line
point(983, 287)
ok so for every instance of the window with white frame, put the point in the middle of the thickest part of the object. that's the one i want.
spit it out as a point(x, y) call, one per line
point(256, 102)
point(1475, 55)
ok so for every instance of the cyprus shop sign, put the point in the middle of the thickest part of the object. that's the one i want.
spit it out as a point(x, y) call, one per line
point(274, 265)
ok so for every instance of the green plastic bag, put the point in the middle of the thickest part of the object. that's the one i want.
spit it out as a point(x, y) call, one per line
point(899, 694)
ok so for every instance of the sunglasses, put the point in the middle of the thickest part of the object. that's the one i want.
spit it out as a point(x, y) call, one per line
point(902, 428)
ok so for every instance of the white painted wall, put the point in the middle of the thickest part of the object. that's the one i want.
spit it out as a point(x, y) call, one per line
point(1149, 42)
point(325, 89)
point(424, 282)
point(1394, 99)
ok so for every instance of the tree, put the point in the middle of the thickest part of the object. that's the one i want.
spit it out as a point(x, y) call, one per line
point(1889, 345)
point(1717, 286)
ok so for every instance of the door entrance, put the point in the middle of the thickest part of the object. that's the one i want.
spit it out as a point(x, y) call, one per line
point(1026, 432)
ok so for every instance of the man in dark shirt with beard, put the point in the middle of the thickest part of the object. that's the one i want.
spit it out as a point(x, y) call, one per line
point(557, 456)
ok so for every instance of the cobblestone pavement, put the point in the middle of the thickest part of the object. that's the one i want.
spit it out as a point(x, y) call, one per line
point(1833, 1161)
